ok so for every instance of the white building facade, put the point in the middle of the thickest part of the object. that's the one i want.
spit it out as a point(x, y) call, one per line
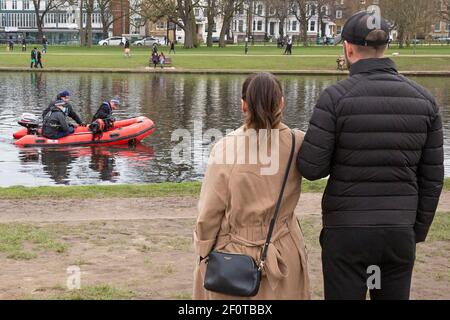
point(61, 26)
point(261, 23)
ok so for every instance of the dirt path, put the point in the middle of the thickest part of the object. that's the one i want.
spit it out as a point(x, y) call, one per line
point(141, 249)
point(46, 210)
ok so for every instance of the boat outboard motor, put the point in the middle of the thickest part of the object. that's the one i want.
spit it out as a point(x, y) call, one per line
point(31, 122)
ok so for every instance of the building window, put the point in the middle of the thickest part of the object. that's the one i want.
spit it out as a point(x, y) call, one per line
point(14, 4)
point(259, 10)
point(259, 26)
point(294, 25)
point(447, 27)
point(241, 25)
point(338, 14)
point(3, 4)
point(312, 26)
point(26, 4)
point(437, 26)
point(197, 12)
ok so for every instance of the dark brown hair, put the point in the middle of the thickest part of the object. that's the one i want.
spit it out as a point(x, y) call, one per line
point(263, 97)
point(245, 86)
point(374, 36)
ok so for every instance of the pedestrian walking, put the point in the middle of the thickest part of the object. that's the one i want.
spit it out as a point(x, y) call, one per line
point(24, 44)
point(127, 50)
point(11, 43)
point(39, 59)
point(172, 47)
point(33, 58)
point(44, 44)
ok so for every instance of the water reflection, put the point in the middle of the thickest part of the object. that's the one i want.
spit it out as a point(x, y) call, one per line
point(60, 163)
point(172, 101)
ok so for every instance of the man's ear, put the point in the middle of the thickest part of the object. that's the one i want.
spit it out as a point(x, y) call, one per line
point(244, 106)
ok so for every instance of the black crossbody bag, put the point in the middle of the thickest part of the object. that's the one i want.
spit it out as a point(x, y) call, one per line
point(239, 274)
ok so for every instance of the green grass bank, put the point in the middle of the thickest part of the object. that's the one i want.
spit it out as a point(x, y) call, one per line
point(166, 189)
point(269, 57)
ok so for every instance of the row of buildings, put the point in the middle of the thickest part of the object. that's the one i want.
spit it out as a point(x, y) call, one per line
point(255, 19)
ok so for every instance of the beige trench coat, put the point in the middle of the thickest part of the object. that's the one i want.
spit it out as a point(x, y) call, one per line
point(237, 203)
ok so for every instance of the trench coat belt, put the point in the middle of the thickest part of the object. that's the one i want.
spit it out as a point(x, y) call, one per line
point(275, 267)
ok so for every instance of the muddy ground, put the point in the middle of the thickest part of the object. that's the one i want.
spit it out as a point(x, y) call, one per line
point(141, 249)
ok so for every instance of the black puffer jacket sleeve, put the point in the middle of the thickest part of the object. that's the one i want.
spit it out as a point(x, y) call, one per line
point(314, 158)
point(73, 115)
point(430, 178)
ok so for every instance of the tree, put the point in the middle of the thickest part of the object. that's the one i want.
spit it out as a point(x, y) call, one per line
point(211, 13)
point(323, 10)
point(410, 17)
point(445, 10)
point(304, 13)
point(282, 8)
point(179, 12)
point(88, 30)
point(47, 5)
point(81, 27)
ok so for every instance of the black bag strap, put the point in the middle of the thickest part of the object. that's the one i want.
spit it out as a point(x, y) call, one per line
point(278, 205)
point(277, 208)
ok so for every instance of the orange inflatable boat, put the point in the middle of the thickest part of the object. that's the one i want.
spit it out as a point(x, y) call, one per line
point(129, 131)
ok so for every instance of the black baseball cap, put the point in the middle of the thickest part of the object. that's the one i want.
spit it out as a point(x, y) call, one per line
point(358, 27)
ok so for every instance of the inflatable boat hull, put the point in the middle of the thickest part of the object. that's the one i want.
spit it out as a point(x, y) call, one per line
point(129, 131)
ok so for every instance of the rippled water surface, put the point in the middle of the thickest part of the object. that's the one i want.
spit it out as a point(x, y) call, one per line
point(172, 101)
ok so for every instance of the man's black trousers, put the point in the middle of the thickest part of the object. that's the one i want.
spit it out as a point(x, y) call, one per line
point(351, 256)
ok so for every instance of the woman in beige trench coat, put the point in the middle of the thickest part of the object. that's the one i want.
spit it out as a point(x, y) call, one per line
point(238, 198)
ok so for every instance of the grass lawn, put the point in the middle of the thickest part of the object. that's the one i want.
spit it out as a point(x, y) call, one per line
point(133, 191)
point(428, 58)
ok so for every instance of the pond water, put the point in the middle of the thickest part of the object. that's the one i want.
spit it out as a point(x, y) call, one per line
point(172, 101)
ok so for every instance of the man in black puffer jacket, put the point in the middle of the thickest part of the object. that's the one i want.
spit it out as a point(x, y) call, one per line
point(378, 136)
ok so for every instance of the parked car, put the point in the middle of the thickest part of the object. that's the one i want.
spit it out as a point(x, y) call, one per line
point(113, 41)
point(443, 39)
point(149, 41)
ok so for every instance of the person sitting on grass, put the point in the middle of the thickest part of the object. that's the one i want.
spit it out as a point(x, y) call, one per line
point(55, 124)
